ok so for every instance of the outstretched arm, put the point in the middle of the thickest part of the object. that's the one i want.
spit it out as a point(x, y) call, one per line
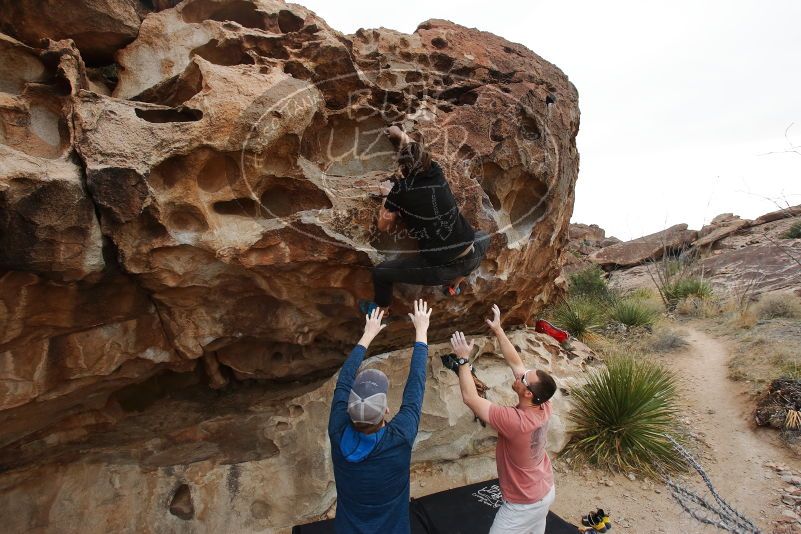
point(408, 418)
point(509, 352)
point(470, 396)
point(339, 406)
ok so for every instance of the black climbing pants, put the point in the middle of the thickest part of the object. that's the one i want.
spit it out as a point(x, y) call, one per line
point(416, 269)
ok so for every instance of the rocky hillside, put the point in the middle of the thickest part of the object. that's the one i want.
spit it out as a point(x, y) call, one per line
point(186, 227)
point(729, 252)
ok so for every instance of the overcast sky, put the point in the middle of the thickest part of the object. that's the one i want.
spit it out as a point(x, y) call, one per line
point(680, 101)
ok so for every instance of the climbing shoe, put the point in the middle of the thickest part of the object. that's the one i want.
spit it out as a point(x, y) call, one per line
point(594, 521)
point(605, 518)
point(452, 291)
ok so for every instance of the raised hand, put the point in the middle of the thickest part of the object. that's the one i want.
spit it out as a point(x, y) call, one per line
point(385, 187)
point(461, 347)
point(495, 323)
point(420, 318)
point(372, 326)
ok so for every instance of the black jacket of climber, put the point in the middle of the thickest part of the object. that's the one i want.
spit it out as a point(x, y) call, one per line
point(428, 209)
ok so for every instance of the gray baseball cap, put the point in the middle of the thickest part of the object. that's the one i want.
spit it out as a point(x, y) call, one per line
point(368, 397)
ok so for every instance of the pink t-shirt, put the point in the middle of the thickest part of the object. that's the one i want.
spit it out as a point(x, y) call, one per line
point(524, 469)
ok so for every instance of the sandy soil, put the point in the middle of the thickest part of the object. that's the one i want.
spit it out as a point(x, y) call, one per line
point(735, 455)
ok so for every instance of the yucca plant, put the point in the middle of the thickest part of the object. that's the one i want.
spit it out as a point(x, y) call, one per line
point(623, 414)
point(682, 288)
point(632, 312)
point(580, 316)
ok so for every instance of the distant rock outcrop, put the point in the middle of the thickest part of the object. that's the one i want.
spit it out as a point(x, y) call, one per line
point(650, 247)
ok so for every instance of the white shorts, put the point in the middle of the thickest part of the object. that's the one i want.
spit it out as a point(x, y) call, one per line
point(523, 518)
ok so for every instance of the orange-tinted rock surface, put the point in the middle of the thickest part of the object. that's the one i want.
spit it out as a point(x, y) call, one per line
point(185, 191)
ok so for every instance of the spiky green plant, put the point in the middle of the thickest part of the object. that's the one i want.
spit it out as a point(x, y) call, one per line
point(632, 312)
point(580, 316)
point(681, 288)
point(622, 415)
point(589, 282)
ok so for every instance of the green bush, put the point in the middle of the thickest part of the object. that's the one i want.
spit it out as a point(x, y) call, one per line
point(622, 415)
point(794, 232)
point(681, 288)
point(579, 315)
point(589, 282)
point(632, 312)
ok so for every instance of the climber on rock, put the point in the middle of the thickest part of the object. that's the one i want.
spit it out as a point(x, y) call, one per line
point(421, 199)
point(524, 469)
point(371, 455)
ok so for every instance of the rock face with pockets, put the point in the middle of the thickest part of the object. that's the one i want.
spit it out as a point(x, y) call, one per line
point(186, 197)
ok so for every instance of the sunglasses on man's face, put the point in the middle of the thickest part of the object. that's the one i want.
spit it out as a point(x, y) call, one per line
point(528, 386)
point(523, 378)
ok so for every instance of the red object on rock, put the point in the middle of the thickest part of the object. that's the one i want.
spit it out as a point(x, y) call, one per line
point(545, 327)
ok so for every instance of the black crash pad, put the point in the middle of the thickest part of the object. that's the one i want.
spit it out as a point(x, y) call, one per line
point(466, 510)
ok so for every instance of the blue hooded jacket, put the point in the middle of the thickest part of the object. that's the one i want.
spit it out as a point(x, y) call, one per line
point(372, 471)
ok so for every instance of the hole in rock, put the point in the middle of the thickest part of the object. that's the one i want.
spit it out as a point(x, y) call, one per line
point(288, 21)
point(461, 96)
point(278, 356)
point(413, 76)
point(291, 196)
point(219, 171)
point(296, 69)
point(228, 53)
point(281, 426)
point(241, 207)
point(181, 504)
point(106, 76)
point(518, 193)
point(270, 47)
point(439, 43)
point(212, 170)
point(529, 127)
point(441, 62)
point(169, 115)
point(175, 90)
point(242, 12)
point(187, 218)
point(529, 204)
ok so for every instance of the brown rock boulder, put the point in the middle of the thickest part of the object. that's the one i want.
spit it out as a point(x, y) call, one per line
point(784, 213)
point(647, 248)
point(721, 227)
point(98, 27)
point(234, 185)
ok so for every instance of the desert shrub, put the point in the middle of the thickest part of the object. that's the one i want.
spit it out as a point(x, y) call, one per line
point(632, 312)
point(641, 293)
point(794, 232)
point(622, 415)
point(693, 306)
point(681, 288)
point(589, 282)
point(775, 306)
point(580, 316)
point(667, 340)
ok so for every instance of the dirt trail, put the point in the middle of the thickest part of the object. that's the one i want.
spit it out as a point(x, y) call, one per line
point(718, 412)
